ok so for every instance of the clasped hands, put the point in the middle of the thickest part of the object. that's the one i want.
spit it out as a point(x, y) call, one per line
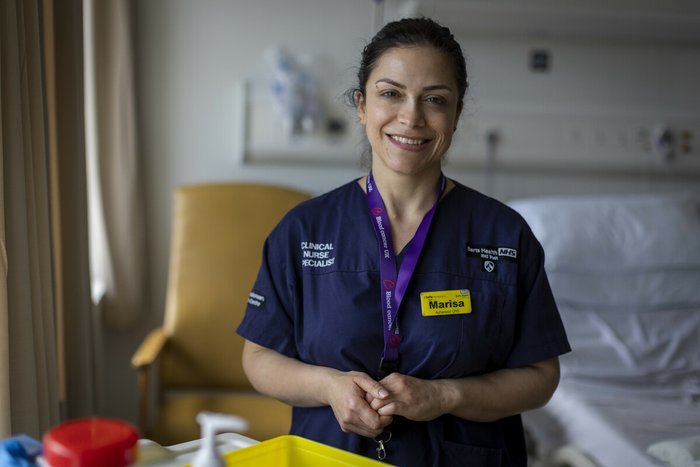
point(366, 407)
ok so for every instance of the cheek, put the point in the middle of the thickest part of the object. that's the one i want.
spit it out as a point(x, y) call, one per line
point(378, 113)
point(441, 124)
point(441, 146)
point(445, 127)
point(443, 140)
point(375, 124)
point(446, 138)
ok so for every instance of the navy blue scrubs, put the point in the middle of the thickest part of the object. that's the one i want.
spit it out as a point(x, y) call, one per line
point(317, 299)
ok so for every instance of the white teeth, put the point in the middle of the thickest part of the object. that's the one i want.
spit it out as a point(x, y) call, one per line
point(403, 140)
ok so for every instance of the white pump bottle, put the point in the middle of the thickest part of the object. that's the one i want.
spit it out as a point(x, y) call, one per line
point(212, 423)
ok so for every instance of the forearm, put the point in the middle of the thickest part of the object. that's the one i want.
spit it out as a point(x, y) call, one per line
point(287, 379)
point(501, 393)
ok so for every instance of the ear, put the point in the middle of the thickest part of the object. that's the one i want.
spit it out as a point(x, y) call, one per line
point(361, 111)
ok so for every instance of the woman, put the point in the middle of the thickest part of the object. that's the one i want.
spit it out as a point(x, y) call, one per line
point(403, 315)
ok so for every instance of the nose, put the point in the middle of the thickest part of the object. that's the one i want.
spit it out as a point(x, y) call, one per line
point(411, 113)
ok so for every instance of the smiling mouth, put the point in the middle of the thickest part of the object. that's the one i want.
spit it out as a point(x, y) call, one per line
point(411, 141)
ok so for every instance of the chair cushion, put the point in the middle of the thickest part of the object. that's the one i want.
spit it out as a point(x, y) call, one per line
point(216, 249)
point(177, 422)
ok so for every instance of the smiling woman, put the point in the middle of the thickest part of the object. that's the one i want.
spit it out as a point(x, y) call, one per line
point(403, 35)
point(401, 343)
point(410, 110)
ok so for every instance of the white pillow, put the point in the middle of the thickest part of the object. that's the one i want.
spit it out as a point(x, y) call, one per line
point(616, 233)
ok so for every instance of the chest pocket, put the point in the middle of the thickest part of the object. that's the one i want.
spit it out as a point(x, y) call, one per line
point(453, 346)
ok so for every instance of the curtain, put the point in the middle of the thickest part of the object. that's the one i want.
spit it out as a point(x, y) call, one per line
point(4, 310)
point(65, 108)
point(47, 363)
point(117, 216)
point(29, 383)
point(47, 327)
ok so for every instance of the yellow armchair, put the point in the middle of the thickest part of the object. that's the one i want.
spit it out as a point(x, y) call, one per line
point(193, 362)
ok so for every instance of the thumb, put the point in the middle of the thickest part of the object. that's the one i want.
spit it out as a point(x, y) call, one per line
point(370, 386)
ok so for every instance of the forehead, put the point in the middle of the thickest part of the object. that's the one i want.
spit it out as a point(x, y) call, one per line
point(424, 63)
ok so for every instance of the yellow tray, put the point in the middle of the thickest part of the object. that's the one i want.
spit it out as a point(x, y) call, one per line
point(295, 451)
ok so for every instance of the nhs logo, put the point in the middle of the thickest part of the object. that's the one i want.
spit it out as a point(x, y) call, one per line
point(508, 252)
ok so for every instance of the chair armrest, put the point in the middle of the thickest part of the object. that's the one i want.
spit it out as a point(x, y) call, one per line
point(147, 354)
point(150, 349)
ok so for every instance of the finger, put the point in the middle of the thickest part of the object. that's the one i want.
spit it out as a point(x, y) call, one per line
point(370, 386)
point(360, 419)
point(361, 414)
point(392, 379)
point(377, 404)
point(368, 421)
point(385, 421)
point(390, 409)
point(362, 430)
point(371, 432)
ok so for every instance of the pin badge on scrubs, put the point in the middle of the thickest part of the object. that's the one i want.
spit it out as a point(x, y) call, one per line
point(381, 450)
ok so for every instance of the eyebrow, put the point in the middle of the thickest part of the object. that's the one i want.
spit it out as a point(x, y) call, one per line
point(403, 86)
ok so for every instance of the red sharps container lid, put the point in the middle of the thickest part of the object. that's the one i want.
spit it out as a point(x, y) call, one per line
point(91, 442)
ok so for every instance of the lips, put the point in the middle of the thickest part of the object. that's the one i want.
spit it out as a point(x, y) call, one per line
point(404, 140)
point(408, 143)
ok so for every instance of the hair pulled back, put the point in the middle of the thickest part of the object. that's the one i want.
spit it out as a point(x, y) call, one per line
point(410, 32)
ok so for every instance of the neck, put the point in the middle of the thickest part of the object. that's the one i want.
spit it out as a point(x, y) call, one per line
point(407, 196)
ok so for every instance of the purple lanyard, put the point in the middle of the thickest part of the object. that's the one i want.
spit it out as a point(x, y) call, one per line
point(393, 284)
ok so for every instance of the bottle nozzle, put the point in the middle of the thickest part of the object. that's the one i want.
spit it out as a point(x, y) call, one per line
point(212, 423)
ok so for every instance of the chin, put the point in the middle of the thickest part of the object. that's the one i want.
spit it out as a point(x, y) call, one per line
point(404, 167)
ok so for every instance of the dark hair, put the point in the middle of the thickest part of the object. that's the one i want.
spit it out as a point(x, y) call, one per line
point(409, 32)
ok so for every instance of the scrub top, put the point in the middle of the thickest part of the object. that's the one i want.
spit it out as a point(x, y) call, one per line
point(317, 299)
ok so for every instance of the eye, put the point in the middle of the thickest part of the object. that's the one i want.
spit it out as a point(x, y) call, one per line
point(437, 100)
point(388, 93)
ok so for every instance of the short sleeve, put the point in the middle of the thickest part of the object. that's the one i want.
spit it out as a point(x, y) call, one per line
point(269, 315)
point(539, 331)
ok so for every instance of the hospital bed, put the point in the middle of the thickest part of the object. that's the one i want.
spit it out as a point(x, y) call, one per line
point(625, 271)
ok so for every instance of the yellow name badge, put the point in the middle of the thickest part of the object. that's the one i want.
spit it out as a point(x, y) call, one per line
point(446, 302)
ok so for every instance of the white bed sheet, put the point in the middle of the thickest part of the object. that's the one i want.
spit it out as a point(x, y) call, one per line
point(624, 345)
point(625, 271)
point(617, 396)
point(614, 425)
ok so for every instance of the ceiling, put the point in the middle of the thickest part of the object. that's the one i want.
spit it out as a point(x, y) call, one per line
point(666, 21)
